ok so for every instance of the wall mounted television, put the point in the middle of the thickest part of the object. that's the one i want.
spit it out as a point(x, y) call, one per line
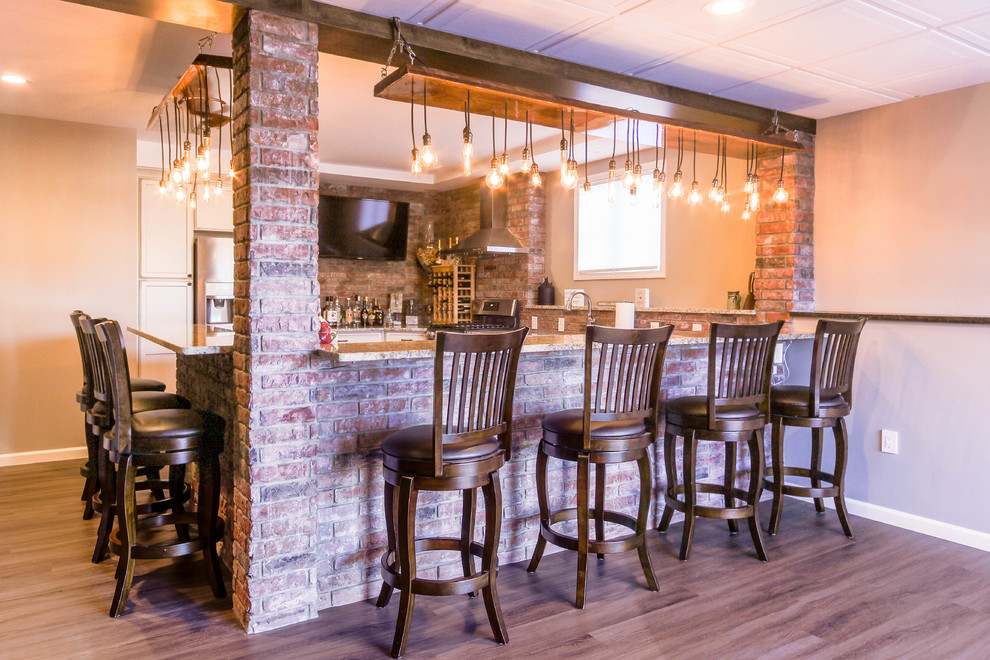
point(353, 228)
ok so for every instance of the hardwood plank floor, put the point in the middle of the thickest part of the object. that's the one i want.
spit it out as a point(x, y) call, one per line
point(888, 594)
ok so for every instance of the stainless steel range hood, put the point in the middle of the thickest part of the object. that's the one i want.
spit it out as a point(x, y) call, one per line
point(493, 237)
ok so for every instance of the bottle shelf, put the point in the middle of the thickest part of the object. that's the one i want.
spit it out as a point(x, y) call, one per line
point(453, 291)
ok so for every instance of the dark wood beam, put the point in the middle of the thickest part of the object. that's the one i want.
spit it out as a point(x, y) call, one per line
point(365, 37)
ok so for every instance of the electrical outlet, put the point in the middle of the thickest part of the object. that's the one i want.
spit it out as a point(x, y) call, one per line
point(533, 323)
point(641, 297)
point(654, 324)
point(560, 323)
point(888, 441)
point(696, 327)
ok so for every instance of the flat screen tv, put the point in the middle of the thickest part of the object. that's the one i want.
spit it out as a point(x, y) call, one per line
point(352, 228)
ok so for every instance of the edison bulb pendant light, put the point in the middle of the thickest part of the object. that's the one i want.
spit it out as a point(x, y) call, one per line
point(417, 166)
point(534, 175)
point(503, 164)
point(658, 179)
point(218, 188)
point(676, 190)
point(746, 214)
point(724, 205)
point(206, 193)
point(749, 187)
point(611, 180)
point(713, 191)
point(494, 179)
point(627, 176)
point(586, 190)
point(162, 186)
point(695, 195)
point(780, 195)
point(467, 151)
point(428, 156)
point(527, 165)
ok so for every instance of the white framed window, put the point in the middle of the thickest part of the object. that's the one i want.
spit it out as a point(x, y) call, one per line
point(618, 240)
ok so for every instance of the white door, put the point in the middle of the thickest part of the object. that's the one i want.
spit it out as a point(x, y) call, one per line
point(165, 234)
point(164, 306)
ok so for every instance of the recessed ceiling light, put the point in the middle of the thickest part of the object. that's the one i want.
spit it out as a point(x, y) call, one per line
point(724, 7)
point(11, 78)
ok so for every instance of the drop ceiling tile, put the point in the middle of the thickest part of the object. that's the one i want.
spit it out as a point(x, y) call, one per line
point(686, 17)
point(711, 69)
point(824, 33)
point(515, 23)
point(787, 91)
point(934, 12)
point(610, 7)
point(619, 45)
point(964, 75)
point(974, 30)
point(859, 99)
point(918, 54)
point(404, 9)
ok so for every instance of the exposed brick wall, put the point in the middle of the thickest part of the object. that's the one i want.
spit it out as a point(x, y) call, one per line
point(276, 299)
point(785, 258)
point(377, 279)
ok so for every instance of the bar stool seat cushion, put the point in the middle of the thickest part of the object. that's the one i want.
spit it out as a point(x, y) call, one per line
point(415, 443)
point(692, 411)
point(792, 401)
point(565, 428)
point(167, 424)
point(146, 401)
point(147, 385)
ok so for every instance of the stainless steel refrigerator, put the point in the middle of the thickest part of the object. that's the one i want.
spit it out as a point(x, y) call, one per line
point(214, 278)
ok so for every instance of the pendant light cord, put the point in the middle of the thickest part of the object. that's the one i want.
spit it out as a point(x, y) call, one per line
point(505, 127)
point(614, 122)
point(493, 135)
point(663, 169)
point(412, 112)
point(694, 163)
point(426, 129)
point(718, 156)
point(782, 151)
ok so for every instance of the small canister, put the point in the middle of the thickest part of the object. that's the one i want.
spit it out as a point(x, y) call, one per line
point(732, 302)
point(546, 293)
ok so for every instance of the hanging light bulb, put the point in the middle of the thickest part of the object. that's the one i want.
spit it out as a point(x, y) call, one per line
point(695, 195)
point(780, 195)
point(586, 189)
point(162, 186)
point(192, 199)
point(534, 175)
point(724, 205)
point(232, 172)
point(563, 146)
point(659, 175)
point(202, 159)
point(503, 164)
point(180, 193)
point(417, 164)
point(638, 174)
point(658, 178)
point(748, 188)
point(569, 179)
point(494, 178)
point(713, 193)
point(206, 193)
point(428, 157)
point(503, 161)
point(746, 214)
point(723, 190)
point(218, 188)
point(611, 166)
point(175, 174)
point(676, 190)
point(527, 163)
point(467, 150)
point(637, 168)
point(206, 176)
point(633, 199)
point(627, 176)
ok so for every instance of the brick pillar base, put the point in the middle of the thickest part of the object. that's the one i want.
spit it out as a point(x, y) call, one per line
point(785, 257)
point(276, 289)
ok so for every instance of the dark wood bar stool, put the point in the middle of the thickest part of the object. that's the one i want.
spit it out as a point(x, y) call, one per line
point(172, 438)
point(736, 409)
point(84, 397)
point(469, 440)
point(824, 403)
point(618, 424)
point(100, 420)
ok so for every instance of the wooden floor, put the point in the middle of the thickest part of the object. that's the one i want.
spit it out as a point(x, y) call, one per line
point(888, 594)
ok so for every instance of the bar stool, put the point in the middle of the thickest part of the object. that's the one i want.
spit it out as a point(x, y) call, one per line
point(99, 419)
point(618, 424)
point(824, 403)
point(735, 410)
point(84, 397)
point(158, 438)
point(469, 440)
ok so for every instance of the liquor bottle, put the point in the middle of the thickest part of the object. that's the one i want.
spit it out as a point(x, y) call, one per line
point(333, 312)
point(357, 312)
point(348, 314)
point(377, 314)
point(364, 313)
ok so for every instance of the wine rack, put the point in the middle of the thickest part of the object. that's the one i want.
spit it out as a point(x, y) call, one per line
point(453, 291)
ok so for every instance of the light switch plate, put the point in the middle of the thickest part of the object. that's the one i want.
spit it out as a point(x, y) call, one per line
point(696, 327)
point(641, 297)
point(560, 323)
point(534, 322)
point(654, 324)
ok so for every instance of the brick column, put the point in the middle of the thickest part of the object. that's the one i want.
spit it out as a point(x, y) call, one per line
point(785, 258)
point(276, 289)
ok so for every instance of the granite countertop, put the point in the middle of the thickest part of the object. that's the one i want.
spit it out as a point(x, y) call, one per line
point(537, 342)
point(610, 306)
point(195, 339)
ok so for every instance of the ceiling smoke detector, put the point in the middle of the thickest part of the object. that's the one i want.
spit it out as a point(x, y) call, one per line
point(724, 7)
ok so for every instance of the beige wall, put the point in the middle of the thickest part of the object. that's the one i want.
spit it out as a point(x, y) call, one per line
point(69, 241)
point(902, 225)
point(707, 252)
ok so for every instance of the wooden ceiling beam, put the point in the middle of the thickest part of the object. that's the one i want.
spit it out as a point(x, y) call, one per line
point(366, 37)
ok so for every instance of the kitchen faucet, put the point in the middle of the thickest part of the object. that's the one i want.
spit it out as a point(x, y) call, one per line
point(569, 305)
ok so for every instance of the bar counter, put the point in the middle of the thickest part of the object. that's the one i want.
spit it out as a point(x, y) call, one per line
point(343, 402)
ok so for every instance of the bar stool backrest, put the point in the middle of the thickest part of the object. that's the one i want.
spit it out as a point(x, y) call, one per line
point(474, 380)
point(833, 360)
point(740, 366)
point(622, 369)
point(97, 361)
point(110, 342)
point(87, 364)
